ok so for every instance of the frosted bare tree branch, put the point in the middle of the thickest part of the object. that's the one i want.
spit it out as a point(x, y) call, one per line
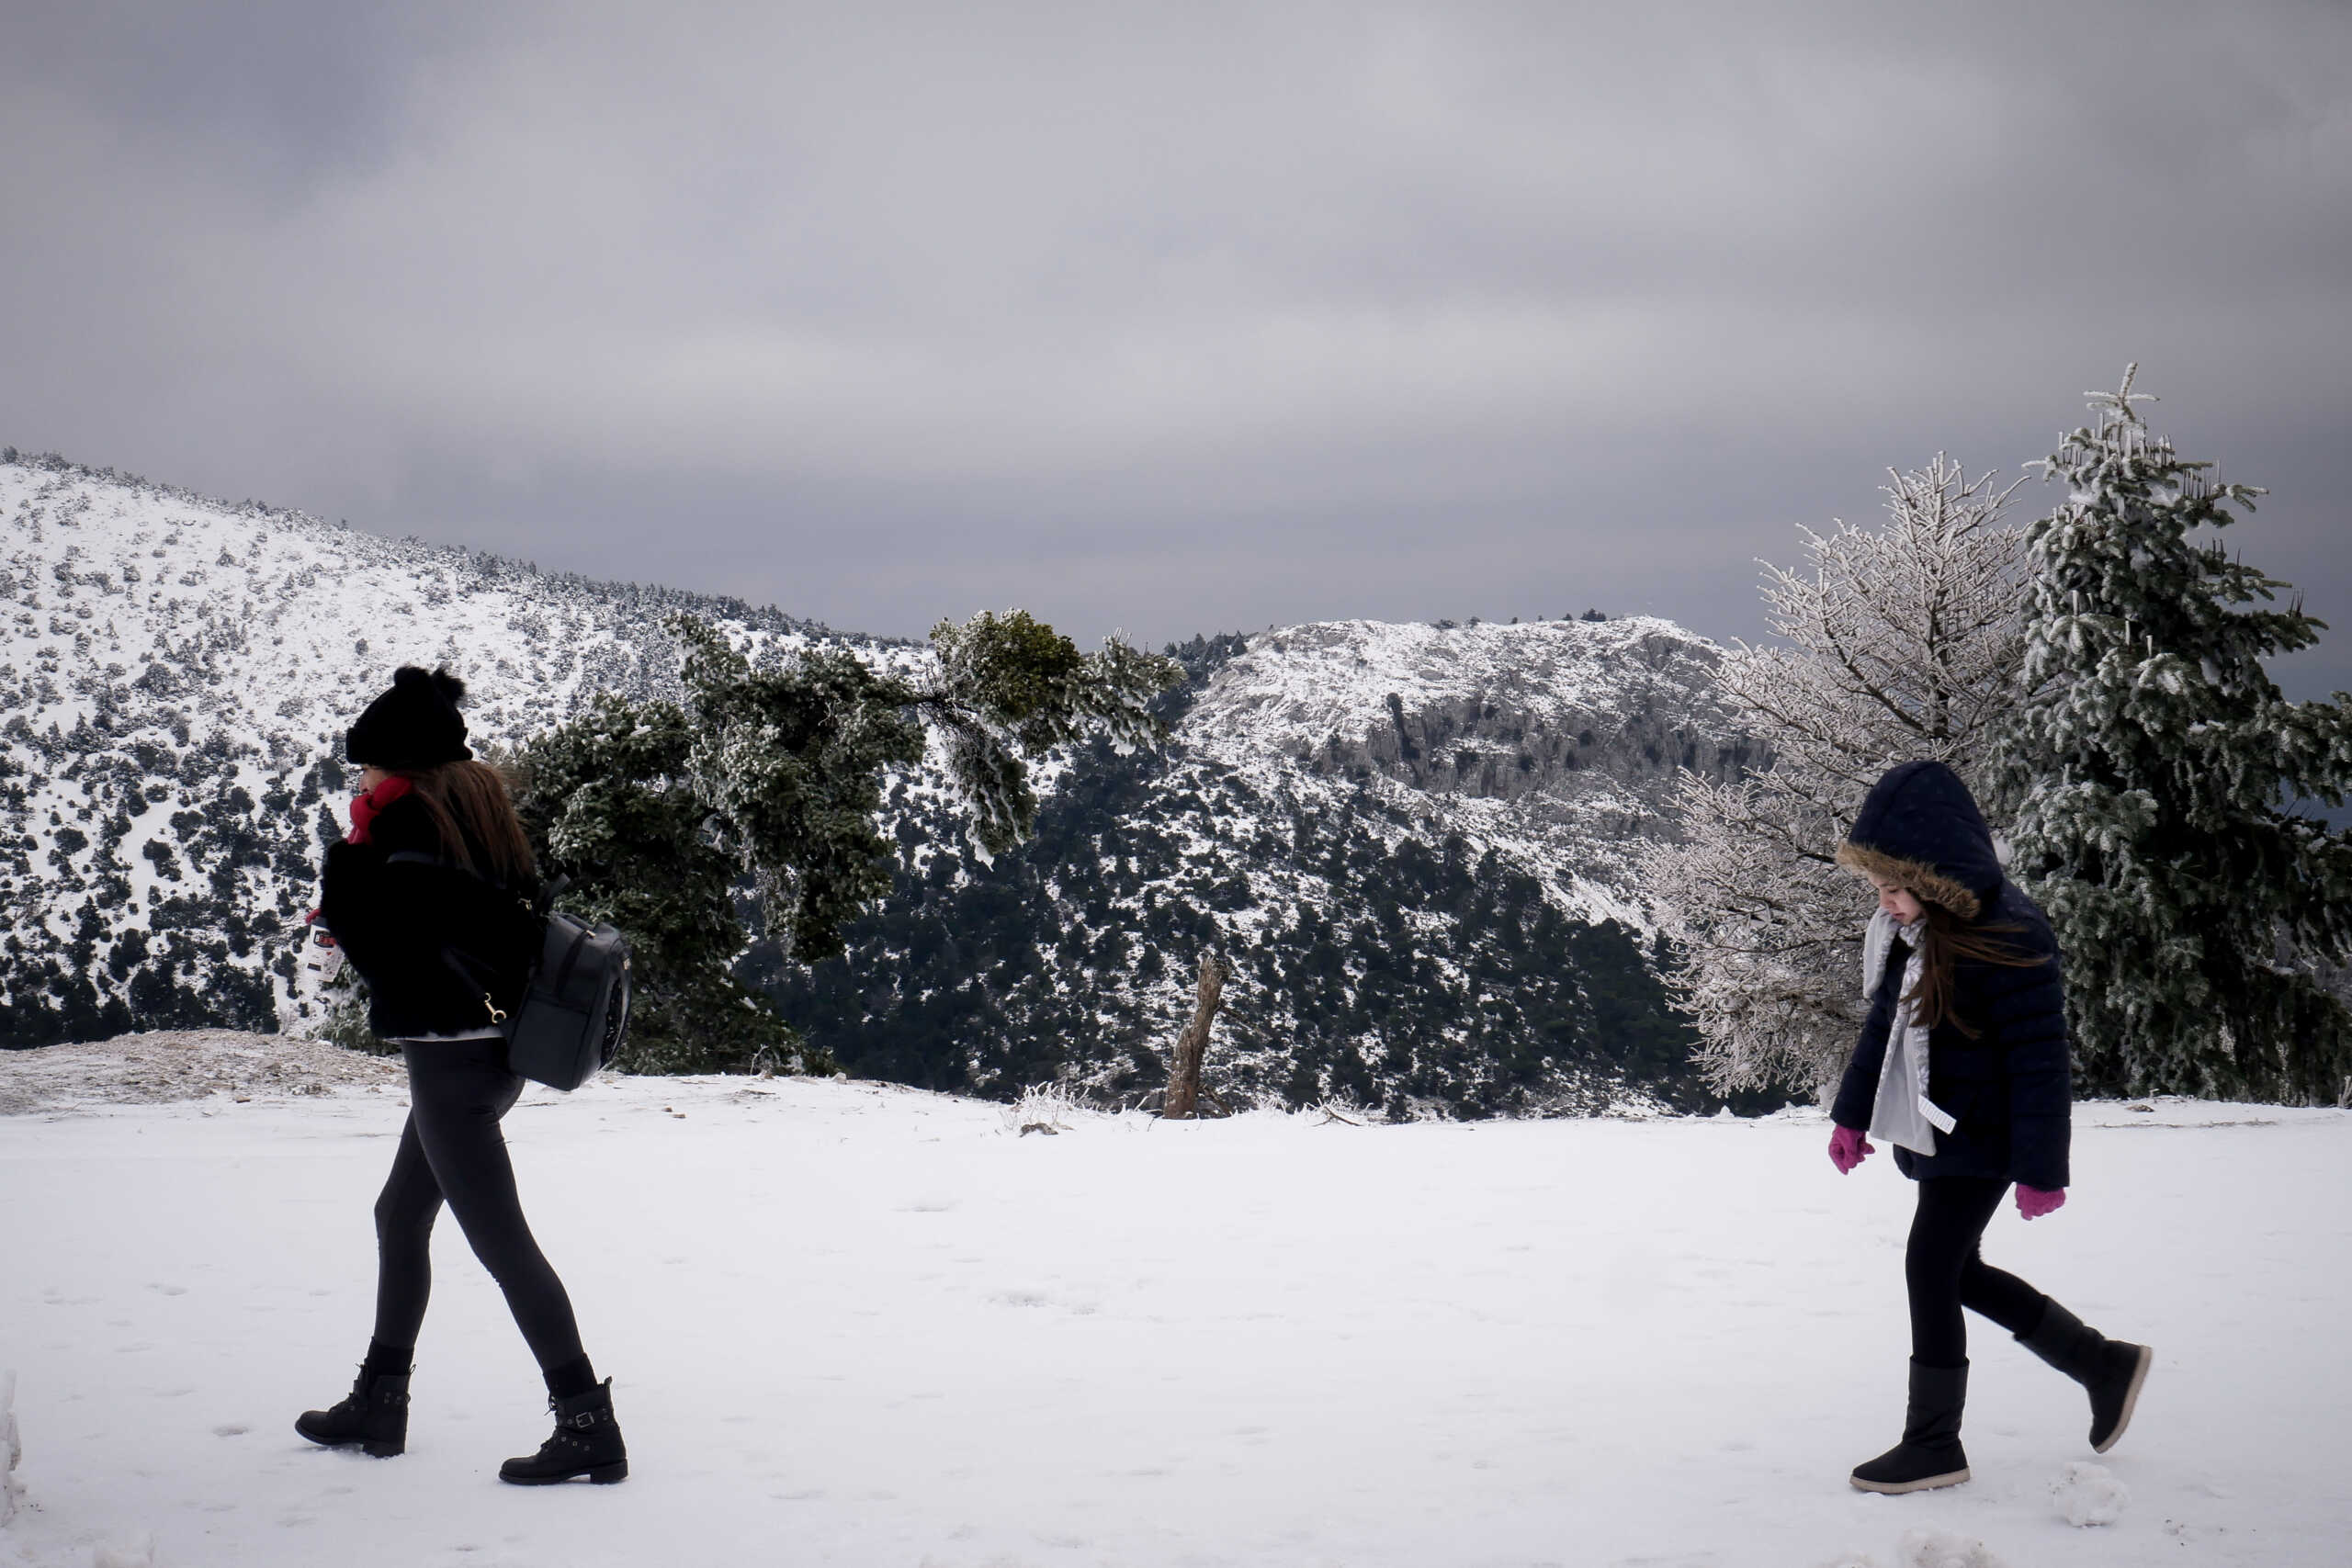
point(1900, 642)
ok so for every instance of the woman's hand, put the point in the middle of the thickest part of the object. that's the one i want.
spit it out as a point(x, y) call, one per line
point(2033, 1202)
point(1848, 1148)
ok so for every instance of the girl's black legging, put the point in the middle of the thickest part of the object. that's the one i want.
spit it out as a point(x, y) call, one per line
point(452, 1149)
point(1945, 1272)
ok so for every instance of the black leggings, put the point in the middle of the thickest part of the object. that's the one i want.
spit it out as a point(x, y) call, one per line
point(1945, 1274)
point(452, 1149)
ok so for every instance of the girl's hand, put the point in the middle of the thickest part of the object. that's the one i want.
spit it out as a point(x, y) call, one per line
point(2033, 1202)
point(1848, 1148)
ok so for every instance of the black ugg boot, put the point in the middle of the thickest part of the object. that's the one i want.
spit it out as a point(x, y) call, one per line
point(2110, 1371)
point(374, 1414)
point(587, 1442)
point(1930, 1454)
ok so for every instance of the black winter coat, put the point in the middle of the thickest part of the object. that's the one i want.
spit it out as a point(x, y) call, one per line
point(2009, 1088)
point(440, 949)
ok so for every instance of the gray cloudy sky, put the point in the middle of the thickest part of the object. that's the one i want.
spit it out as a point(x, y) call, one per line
point(1174, 318)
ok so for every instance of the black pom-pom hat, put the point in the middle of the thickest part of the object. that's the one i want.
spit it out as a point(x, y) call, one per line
point(414, 726)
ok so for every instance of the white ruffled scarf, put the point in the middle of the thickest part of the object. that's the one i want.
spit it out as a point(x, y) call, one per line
point(1902, 1113)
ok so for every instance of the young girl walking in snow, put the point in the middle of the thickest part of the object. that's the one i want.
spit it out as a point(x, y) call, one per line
point(425, 897)
point(1962, 1066)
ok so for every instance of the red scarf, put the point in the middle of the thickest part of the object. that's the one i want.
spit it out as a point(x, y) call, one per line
point(365, 807)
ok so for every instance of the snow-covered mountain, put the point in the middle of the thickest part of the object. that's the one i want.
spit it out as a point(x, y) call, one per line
point(1413, 842)
point(175, 675)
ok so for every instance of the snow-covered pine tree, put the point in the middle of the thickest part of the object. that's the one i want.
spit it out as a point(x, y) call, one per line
point(768, 779)
point(1902, 642)
point(2155, 771)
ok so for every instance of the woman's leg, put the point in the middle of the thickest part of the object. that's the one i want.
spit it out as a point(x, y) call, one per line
point(458, 1090)
point(404, 1213)
point(1945, 1230)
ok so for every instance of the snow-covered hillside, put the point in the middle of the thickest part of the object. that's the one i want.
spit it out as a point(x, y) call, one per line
point(911, 1335)
point(1412, 841)
point(1559, 739)
point(175, 675)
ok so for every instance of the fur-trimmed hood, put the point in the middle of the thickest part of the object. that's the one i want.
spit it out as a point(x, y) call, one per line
point(1920, 827)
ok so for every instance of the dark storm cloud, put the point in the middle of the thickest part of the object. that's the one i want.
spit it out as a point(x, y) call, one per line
point(1174, 318)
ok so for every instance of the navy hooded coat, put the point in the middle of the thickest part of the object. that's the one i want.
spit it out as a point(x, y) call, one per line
point(2008, 1085)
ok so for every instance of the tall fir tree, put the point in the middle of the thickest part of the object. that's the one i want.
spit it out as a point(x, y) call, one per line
point(2155, 776)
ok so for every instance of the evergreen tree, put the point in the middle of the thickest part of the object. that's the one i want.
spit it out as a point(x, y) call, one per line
point(2156, 771)
point(767, 779)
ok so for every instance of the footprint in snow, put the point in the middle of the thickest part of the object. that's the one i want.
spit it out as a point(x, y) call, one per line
point(230, 1429)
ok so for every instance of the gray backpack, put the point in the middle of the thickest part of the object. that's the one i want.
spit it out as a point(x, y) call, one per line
point(574, 1013)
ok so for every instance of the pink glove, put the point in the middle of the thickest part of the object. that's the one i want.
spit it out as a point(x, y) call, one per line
point(1848, 1148)
point(2033, 1202)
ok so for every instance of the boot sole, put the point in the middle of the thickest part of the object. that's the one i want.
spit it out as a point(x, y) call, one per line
point(598, 1475)
point(1925, 1484)
point(373, 1450)
point(2130, 1399)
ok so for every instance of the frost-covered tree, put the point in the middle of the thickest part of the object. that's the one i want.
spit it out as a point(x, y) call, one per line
point(1900, 642)
point(2156, 772)
point(767, 779)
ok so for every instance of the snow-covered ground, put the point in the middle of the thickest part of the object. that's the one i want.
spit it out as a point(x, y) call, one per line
point(865, 1325)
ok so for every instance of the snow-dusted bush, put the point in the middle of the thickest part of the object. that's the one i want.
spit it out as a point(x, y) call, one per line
point(1901, 642)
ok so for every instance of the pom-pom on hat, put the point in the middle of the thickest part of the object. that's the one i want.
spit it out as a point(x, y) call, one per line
point(414, 726)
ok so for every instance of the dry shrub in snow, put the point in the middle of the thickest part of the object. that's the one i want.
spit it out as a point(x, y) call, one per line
point(1903, 642)
point(1043, 1108)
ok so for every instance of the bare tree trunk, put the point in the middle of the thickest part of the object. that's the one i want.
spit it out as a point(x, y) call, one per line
point(1184, 1074)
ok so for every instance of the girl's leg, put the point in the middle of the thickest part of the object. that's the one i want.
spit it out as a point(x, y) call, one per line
point(458, 1090)
point(2001, 1296)
point(1951, 1219)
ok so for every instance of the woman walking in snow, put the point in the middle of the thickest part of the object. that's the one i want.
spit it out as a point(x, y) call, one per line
point(1962, 1066)
point(426, 899)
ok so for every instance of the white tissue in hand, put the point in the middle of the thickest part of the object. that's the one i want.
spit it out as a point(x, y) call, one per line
point(2089, 1494)
point(1941, 1548)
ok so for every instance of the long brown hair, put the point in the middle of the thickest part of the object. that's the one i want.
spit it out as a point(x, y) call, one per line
point(1944, 939)
point(474, 813)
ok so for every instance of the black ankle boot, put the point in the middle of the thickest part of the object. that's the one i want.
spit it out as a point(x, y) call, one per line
point(1930, 1454)
point(587, 1442)
point(2110, 1371)
point(374, 1414)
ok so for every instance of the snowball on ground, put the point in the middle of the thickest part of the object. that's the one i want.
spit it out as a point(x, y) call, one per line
point(2089, 1494)
point(1942, 1549)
